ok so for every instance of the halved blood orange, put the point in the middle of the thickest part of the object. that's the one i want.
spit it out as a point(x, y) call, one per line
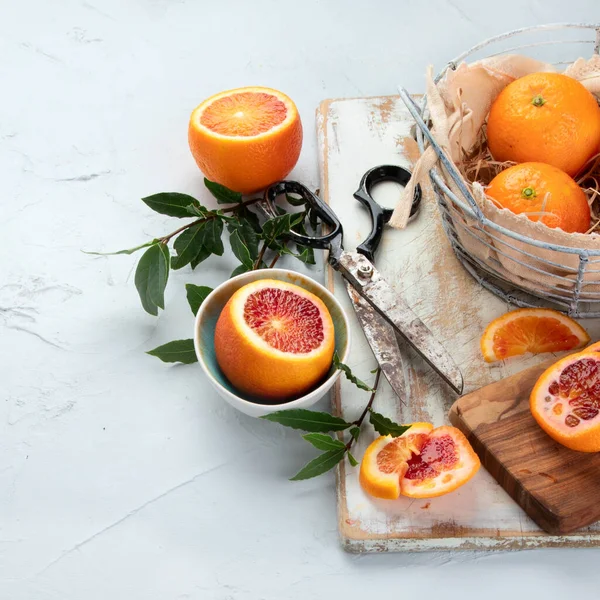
point(535, 330)
point(565, 401)
point(247, 138)
point(422, 463)
point(595, 347)
point(386, 460)
point(274, 340)
point(446, 461)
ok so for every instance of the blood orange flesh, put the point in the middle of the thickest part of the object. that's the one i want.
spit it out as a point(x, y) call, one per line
point(431, 462)
point(284, 320)
point(437, 454)
point(446, 461)
point(274, 340)
point(566, 401)
point(385, 461)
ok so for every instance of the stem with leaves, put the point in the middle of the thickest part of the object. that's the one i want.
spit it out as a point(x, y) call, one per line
point(254, 241)
point(209, 216)
point(364, 413)
point(318, 424)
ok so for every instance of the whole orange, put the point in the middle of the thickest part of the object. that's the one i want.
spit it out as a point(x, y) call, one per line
point(247, 138)
point(545, 117)
point(543, 193)
point(274, 340)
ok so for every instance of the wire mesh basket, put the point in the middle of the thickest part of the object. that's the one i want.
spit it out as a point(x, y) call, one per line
point(569, 273)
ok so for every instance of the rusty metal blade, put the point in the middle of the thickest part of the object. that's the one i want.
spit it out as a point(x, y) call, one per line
point(370, 284)
point(382, 339)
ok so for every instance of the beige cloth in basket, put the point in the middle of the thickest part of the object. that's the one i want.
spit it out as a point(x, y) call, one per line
point(458, 106)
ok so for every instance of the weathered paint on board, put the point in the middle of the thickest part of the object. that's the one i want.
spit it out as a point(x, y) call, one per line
point(354, 135)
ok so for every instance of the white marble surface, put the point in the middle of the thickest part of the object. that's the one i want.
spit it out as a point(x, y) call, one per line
point(121, 477)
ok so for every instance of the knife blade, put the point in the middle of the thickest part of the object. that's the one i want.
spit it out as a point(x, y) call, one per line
point(382, 340)
point(370, 284)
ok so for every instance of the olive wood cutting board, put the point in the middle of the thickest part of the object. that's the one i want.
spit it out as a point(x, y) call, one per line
point(557, 487)
point(355, 134)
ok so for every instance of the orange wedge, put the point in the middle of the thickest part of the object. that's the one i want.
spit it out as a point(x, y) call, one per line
point(422, 463)
point(445, 462)
point(386, 460)
point(565, 401)
point(247, 138)
point(535, 330)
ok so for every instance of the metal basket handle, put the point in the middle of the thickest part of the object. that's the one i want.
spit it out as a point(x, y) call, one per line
point(413, 109)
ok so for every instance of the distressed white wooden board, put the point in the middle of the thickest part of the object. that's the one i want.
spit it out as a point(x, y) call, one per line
point(354, 135)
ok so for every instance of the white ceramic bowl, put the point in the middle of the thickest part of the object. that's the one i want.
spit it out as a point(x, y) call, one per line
point(204, 333)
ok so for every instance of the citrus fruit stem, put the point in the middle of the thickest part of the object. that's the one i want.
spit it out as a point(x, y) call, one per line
point(260, 256)
point(360, 419)
point(528, 192)
point(538, 100)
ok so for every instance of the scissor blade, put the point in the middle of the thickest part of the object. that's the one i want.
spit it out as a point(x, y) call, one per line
point(370, 284)
point(382, 339)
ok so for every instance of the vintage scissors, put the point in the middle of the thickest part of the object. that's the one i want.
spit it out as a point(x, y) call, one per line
point(364, 279)
point(379, 334)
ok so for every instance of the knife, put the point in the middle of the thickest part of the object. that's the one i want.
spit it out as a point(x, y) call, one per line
point(382, 340)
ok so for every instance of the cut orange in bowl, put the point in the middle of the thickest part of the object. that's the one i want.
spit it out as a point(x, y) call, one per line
point(422, 463)
point(386, 460)
point(445, 462)
point(534, 330)
point(565, 401)
point(274, 340)
point(246, 138)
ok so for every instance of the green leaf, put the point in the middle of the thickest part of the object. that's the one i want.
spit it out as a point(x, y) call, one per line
point(151, 277)
point(308, 420)
point(319, 465)
point(294, 201)
point(177, 351)
point(128, 251)
point(278, 226)
point(196, 294)
point(221, 193)
point(224, 217)
point(323, 442)
point(188, 245)
point(212, 236)
point(240, 249)
point(201, 256)
point(385, 426)
point(172, 204)
point(245, 215)
point(352, 460)
point(306, 254)
point(374, 370)
point(349, 375)
point(247, 235)
point(239, 270)
point(355, 432)
point(197, 210)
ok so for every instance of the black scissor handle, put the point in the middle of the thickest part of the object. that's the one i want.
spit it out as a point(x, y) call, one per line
point(380, 215)
point(317, 205)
